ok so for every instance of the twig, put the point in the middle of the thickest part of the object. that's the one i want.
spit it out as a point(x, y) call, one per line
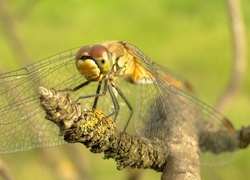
point(244, 136)
point(99, 133)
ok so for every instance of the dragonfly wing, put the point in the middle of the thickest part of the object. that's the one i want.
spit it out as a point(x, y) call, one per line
point(166, 112)
point(22, 121)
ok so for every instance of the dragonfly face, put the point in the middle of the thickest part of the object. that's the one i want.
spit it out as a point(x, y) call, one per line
point(93, 62)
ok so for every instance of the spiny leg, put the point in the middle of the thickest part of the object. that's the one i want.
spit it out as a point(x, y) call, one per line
point(81, 85)
point(128, 104)
point(115, 103)
point(96, 96)
point(76, 88)
point(97, 92)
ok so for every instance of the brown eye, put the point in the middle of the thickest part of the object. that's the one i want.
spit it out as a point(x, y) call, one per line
point(83, 51)
point(97, 51)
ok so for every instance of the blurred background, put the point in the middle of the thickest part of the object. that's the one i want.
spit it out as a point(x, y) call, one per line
point(191, 38)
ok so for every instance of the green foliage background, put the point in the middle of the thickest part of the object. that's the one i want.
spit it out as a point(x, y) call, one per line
point(192, 38)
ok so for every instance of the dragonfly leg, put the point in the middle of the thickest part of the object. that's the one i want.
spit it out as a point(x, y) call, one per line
point(115, 103)
point(77, 87)
point(97, 94)
point(128, 104)
point(81, 85)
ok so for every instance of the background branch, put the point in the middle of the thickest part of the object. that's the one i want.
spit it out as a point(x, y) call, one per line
point(239, 56)
point(9, 27)
point(5, 172)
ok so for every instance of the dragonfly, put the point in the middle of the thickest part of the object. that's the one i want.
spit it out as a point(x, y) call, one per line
point(102, 76)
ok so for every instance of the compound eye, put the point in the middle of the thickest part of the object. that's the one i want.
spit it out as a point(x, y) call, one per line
point(98, 51)
point(82, 52)
point(102, 57)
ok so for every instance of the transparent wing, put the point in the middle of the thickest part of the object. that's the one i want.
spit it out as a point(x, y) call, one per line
point(22, 122)
point(166, 112)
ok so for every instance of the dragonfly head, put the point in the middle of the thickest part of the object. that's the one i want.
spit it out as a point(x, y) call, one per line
point(93, 62)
